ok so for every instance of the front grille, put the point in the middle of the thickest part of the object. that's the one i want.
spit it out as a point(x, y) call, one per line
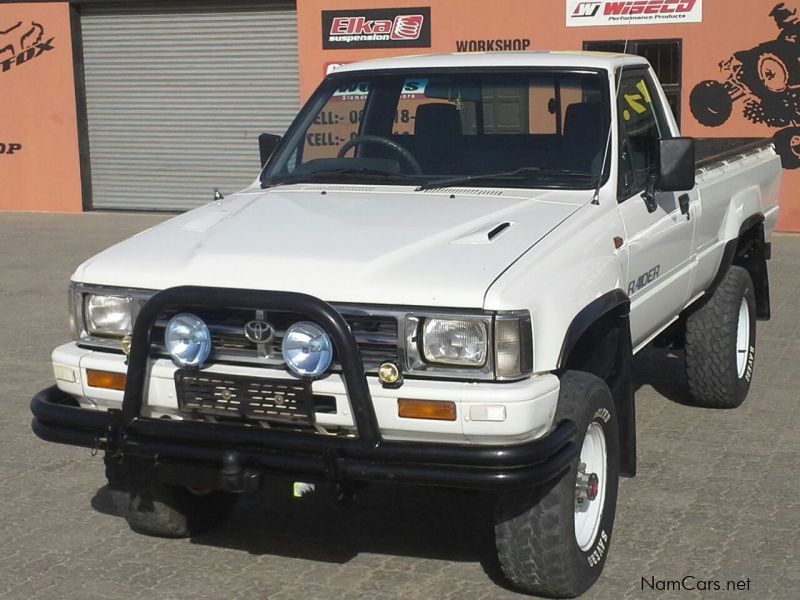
point(376, 336)
point(273, 400)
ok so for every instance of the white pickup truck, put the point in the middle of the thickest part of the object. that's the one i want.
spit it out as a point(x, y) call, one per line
point(440, 278)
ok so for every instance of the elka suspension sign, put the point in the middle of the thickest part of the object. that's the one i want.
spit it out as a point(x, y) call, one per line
point(593, 13)
point(377, 28)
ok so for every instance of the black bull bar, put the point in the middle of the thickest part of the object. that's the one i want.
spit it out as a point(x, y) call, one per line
point(233, 457)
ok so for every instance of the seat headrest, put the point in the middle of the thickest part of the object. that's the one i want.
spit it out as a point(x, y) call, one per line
point(582, 119)
point(437, 119)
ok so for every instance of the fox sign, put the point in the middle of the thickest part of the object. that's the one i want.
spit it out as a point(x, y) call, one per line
point(588, 13)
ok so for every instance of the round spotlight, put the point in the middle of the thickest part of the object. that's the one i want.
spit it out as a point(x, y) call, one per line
point(187, 340)
point(307, 349)
point(125, 344)
point(388, 373)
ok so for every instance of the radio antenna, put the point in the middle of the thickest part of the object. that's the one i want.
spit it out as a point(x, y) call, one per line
point(596, 196)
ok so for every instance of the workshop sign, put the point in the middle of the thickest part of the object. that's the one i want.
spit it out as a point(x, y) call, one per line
point(594, 13)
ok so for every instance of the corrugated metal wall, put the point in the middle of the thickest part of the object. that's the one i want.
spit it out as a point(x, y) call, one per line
point(177, 95)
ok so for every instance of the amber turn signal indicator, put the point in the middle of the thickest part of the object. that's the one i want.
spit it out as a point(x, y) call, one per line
point(427, 409)
point(105, 379)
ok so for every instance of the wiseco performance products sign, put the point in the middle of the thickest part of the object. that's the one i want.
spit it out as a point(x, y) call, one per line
point(588, 13)
point(377, 28)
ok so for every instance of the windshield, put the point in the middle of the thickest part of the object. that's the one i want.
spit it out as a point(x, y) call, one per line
point(540, 128)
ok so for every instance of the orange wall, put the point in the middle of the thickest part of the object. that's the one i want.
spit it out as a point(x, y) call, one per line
point(37, 110)
point(37, 101)
point(728, 26)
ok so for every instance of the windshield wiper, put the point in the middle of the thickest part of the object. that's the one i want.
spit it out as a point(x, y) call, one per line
point(516, 173)
point(362, 174)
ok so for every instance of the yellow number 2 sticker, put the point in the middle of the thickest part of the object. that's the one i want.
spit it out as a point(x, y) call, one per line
point(638, 102)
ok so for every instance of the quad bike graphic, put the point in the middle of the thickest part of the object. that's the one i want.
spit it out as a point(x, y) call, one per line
point(767, 81)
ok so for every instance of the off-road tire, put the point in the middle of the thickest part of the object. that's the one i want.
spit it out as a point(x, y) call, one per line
point(174, 512)
point(711, 369)
point(535, 529)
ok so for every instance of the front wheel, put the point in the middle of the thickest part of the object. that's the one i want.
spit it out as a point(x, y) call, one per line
point(554, 541)
point(174, 512)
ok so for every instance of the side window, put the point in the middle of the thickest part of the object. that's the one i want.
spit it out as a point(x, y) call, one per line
point(640, 126)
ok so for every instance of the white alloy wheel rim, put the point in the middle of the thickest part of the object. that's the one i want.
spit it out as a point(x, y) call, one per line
point(742, 338)
point(594, 455)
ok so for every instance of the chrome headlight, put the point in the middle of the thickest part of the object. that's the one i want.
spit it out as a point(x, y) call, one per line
point(479, 346)
point(109, 316)
point(461, 342)
point(307, 349)
point(101, 316)
point(188, 340)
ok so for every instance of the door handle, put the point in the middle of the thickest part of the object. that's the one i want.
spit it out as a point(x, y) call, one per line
point(683, 201)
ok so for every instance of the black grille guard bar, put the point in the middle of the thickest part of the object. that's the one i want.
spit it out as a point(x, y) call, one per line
point(355, 381)
point(56, 418)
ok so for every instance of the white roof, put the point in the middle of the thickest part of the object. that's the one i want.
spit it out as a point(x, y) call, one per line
point(590, 60)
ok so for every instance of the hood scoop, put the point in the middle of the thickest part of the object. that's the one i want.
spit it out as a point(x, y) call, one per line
point(485, 234)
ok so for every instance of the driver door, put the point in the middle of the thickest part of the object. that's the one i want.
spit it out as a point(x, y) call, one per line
point(659, 243)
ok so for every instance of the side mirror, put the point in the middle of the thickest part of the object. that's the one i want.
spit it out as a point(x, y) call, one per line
point(676, 166)
point(267, 142)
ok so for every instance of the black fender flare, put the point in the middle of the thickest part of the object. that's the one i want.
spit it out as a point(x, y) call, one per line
point(590, 313)
point(621, 381)
point(758, 269)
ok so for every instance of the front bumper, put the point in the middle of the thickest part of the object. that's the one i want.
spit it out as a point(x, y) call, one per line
point(236, 458)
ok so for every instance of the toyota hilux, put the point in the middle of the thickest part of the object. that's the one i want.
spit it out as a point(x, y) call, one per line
point(440, 277)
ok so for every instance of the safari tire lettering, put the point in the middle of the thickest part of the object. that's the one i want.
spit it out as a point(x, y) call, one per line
point(751, 358)
point(599, 549)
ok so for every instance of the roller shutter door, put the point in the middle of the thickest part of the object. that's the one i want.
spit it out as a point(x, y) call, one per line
point(177, 94)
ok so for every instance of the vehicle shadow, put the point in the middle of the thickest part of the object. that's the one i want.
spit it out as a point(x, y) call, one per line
point(664, 370)
point(418, 522)
point(109, 502)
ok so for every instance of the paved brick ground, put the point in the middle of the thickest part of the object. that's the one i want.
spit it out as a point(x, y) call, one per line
point(716, 498)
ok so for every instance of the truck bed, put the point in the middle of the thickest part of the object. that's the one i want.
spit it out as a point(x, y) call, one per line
point(712, 150)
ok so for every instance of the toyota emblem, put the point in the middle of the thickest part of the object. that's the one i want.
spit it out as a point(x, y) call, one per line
point(259, 332)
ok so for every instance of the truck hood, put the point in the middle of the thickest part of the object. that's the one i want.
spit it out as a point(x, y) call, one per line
point(357, 244)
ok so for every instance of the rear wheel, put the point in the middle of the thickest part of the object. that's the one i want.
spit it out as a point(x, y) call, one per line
point(721, 343)
point(554, 541)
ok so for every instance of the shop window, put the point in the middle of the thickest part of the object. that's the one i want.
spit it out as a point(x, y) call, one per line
point(664, 55)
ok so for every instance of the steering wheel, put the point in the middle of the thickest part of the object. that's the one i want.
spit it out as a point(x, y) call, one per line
point(381, 141)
